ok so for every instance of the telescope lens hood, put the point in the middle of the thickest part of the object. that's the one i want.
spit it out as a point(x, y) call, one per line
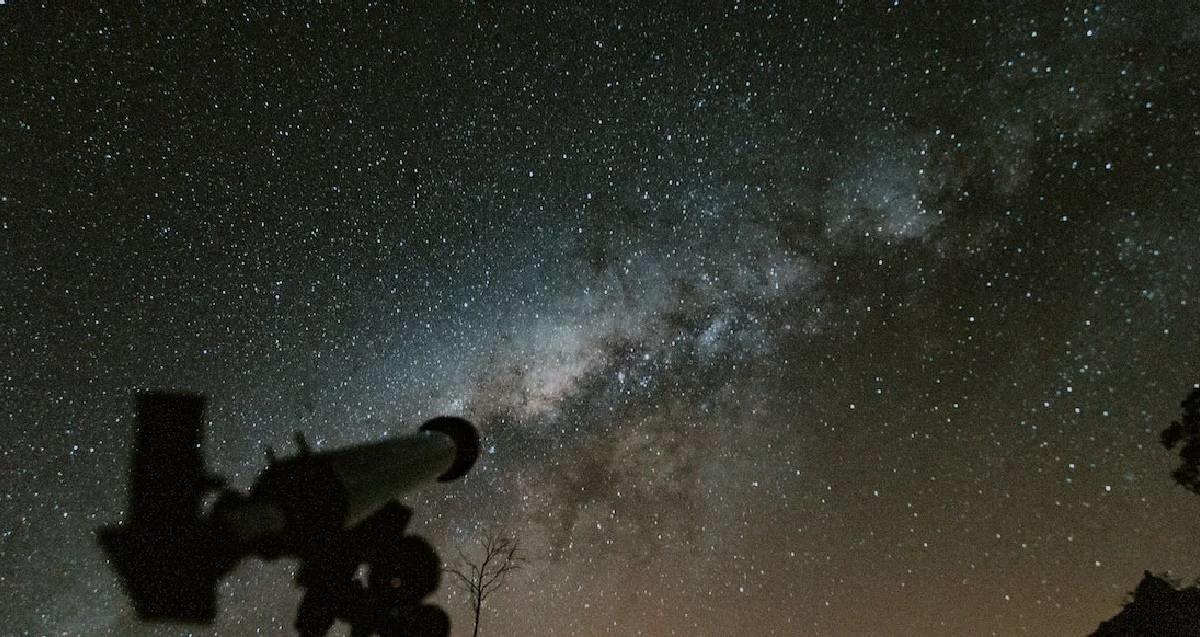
point(466, 444)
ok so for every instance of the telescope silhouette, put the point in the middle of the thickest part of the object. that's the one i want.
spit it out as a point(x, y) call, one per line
point(334, 511)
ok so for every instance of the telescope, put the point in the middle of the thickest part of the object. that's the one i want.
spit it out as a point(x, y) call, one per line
point(335, 511)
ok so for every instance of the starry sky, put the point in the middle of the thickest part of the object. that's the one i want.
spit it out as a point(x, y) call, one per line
point(823, 318)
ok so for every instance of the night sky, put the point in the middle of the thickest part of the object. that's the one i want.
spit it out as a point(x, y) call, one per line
point(821, 318)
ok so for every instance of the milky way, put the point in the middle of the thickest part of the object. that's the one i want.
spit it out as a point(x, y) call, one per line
point(836, 320)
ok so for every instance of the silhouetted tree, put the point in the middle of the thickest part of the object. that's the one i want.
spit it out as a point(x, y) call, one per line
point(482, 571)
point(1185, 433)
point(1158, 608)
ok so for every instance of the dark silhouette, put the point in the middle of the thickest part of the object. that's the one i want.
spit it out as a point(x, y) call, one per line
point(1158, 608)
point(1185, 433)
point(401, 570)
point(332, 511)
point(480, 576)
point(168, 558)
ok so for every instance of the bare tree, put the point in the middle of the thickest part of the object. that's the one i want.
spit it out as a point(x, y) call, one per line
point(479, 573)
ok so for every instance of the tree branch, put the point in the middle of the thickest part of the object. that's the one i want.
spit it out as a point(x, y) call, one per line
point(500, 555)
